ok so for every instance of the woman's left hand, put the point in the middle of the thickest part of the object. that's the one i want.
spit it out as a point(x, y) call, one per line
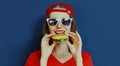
point(76, 47)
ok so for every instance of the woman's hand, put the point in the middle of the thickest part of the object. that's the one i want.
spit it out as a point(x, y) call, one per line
point(76, 47)
point(46, 48)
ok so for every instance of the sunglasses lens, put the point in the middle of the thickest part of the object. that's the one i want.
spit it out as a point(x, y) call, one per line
point(52, 22)
point(66, 21)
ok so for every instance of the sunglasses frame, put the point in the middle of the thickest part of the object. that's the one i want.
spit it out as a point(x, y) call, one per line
point(59, 20)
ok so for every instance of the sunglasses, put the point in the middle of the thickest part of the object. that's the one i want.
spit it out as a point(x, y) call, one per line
point(54, 21)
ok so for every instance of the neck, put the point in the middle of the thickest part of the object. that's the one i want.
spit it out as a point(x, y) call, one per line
point(61, 49)
point(62, 53)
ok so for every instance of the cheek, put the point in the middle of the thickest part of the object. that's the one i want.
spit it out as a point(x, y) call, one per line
point(68, 28)
point(51, 29)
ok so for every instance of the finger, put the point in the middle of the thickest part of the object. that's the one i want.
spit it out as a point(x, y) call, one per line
point(72, 37)
point(74, 40)
point(72, 33)
point(44, 36)
point(45, 39)
point(48, 35)
point(79, 37)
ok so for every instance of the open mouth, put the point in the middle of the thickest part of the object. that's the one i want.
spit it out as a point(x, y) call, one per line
point(59, 31)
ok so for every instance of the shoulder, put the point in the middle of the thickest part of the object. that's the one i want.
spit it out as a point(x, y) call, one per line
point(85, 55)
point(87, 59)
point(33, 59)
point(36, 54)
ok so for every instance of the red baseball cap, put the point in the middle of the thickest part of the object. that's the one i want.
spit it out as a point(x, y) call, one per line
point(68, 9)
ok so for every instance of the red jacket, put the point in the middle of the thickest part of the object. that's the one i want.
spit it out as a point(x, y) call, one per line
point(34, 60)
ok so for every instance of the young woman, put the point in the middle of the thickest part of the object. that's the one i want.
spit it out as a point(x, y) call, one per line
point(60, 20)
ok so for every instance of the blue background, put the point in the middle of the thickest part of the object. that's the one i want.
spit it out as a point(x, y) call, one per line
point(21, 22)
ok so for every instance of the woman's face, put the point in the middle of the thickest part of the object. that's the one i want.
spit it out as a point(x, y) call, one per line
point(59, 22)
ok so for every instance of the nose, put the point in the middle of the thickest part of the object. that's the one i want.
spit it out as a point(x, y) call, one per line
point(59, 25)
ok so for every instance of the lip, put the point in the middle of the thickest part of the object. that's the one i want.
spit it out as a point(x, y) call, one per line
point(59, 31)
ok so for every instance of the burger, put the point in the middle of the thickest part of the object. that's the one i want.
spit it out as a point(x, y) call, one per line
point(60, 38)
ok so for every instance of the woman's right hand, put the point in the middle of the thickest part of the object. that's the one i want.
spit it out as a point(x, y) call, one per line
point(46, 48)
